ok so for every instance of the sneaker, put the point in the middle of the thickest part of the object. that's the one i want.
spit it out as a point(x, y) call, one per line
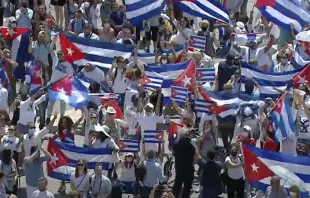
point(62, 187)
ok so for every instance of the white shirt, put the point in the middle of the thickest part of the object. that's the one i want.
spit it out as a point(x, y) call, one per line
point(10, 143)
point(4, 99)
point(96, 74)
point(61, 70)
point(91, 36)
point(34, 140)
point(44, 194)
point(119, 85)
point(127, 174)
point(107, 143)
point(80, 182)
point(283, 68)
point(95, 16)
point(237, 172)
point(263, 58)
point(179, 39)
point(28, 112)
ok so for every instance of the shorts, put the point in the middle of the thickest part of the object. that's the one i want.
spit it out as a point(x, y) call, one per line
point(58, 2)
point(152, 34)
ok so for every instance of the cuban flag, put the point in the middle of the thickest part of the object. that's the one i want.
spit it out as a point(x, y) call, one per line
point(80, 51)
point(242, 39)
point(129, 146)
point(70, 90)
point(197, 42)
point(205, 74)
point(105, 96)
point(301, 57)
point(153, 136)
point(283, 117)
point(221, 104)
point(165, 76)
point(150, 81)
point(206, 9)
point(149, 58)
point(267, 80)
point(65, 156)
point(179, 94)
point(4, 78)
point(261, 165)
point(20, 54)
point(303, 77)
point(33, 76)
point(284, 12)
point(10, 34)
point(87, 81)
point(140, 10)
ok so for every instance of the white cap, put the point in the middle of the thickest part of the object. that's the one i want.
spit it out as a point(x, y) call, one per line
point(149, 105)
point(261, 104)
point(247, 128)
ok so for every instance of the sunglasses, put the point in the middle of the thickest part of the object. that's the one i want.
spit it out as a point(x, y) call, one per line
point(32, 127)
point(110, 114)
point(11, 129)
point(80, 164)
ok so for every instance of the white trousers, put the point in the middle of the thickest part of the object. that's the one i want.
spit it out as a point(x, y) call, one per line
point(30, 190)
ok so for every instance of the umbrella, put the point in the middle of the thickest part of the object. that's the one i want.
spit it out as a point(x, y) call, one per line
point(288, 178)
point(303, 36)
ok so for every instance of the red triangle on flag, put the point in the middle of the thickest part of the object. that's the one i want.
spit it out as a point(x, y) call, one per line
point(65, 86)
point(145, 80)
point(187, 78)
point(113, 103)
point(216, 109)
point(58, 158)
point(198, 75)
point(255, 169)
point(72, 52)
point(160, 136)
point(121, 145)
point(10, 34)
point(263, 3)
point(174, 93)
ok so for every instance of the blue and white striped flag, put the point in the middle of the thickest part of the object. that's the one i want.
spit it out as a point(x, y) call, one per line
point(205, 74)
point(129, 146)
point(71, 154)
point(197, 42)
point(179, 94)
point(242, 39)
point(140, 10)
point(153, 136)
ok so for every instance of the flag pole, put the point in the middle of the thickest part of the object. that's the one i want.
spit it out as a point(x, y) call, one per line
point(246, 184)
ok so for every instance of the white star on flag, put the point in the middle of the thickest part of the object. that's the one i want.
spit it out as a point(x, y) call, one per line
point(62, 90)
point(10, 32)
point(70, 51)
point(302, 80)
point(186, 81)
point(254, 167)
point(54, 159)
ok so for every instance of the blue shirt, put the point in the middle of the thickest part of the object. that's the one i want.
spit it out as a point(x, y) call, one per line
point(34, 170)
point(24, 19)
point(118, 18)
point(154, 173)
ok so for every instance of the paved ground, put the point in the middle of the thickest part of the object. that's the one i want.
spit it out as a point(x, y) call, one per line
point(75, 115)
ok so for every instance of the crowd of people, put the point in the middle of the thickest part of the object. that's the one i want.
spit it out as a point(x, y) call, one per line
point(221, 170)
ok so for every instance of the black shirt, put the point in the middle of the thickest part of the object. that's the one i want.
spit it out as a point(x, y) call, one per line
point(211, 175)
point(184, 152)
point(224, 74)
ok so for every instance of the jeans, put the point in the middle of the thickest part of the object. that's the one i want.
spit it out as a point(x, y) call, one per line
point(146, 191)
point(50, 107)
point(227, 131)
point(41, 112)
point(235, 185)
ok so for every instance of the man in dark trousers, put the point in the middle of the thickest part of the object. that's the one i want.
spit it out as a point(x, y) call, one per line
point(184, 153)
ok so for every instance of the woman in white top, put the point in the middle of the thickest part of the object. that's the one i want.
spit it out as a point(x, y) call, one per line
point(188, 112)
point(235, 173)
point(11, 142)
point(79, 180)
point(128, 173)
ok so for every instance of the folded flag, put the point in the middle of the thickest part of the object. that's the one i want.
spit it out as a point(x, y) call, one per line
point(283, 117)
point(140, 10)
point(179, 94)
point(153, 136)
point(65, 156)
point(260, 164)
point(70, 90)
point(205, 74)
point(284, 13)
point(129, 146)
point(197, 42)
point(241, 39)
point(211, 9)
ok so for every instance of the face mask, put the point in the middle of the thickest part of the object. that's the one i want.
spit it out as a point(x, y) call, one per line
point(129, 159)
point(293, 194)
point(31, 131)
point(106, 25)
point(148, 113)
point(164, 61)
point(234, 153)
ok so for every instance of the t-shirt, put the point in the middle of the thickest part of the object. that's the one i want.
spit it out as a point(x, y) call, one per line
point(234, 172)
point(79, 182)
point(43, 194)
point(96, 75)
point(281, 193)
point(264, 60)
point(179, 39)
point(4, 99)
point(61, 70)
point(10, 143)
point(269, 144)
point(34, 170)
